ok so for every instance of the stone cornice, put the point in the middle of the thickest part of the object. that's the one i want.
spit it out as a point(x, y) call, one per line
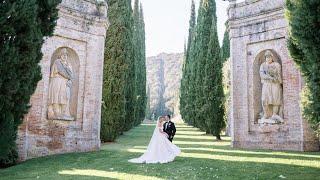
point(87, 8)
point(271, 15)
point(254, 8)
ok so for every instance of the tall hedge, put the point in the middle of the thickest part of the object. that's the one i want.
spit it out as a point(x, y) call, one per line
point(304, 47)
point(23, 26)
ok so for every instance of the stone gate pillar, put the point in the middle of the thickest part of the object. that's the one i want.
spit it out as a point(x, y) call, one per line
point(265, 97)
point(66, 106)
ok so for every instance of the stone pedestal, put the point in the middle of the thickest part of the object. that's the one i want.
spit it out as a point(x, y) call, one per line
point(256, 26)
point(81, 30)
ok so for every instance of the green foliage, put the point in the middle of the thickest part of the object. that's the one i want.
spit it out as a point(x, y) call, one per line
point(148, 106)
point(206, 17)
point(23, 27)
point(202, 97)
point(140, 65)
point(130, 73)
point(225, 54)
point(186, 91)
point(304, 47)
point(117, 58)
point(225, 49)
point(124, 85)
point(185, 94)
point(213, 108)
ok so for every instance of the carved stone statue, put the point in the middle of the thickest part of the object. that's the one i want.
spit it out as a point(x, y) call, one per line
point(61, 77)
point(271, 96)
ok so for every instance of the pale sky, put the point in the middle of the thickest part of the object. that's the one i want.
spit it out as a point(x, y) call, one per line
point(167, 23)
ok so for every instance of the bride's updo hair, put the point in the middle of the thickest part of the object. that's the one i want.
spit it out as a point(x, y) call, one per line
point(161, 119)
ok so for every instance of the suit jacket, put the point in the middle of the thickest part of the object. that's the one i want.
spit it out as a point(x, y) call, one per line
point(170, 129)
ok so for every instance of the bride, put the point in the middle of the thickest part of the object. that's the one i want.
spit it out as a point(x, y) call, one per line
point(160, 149)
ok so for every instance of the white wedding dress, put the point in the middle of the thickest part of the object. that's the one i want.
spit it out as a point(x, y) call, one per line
point(160, 149)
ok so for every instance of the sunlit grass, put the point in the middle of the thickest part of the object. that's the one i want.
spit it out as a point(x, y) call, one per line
point(235, 151)
point(190, 132)
point(202, 158)
point(106, 174)
point(179, 136)
point(204, 143)
point(306, 163)
point(211, 150)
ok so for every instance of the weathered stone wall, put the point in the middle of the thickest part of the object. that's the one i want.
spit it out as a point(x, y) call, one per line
point(81, 28)
point(257, 26)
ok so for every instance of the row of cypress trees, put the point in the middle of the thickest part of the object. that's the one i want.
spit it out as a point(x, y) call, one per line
point(124, 84)
point(24, 24)
point(202, 97)
point(304, 47)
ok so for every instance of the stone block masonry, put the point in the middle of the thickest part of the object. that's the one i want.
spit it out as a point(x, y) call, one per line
point(256, 26)
point(80, 32)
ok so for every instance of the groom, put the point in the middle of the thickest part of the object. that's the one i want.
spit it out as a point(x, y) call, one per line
point(169, 127)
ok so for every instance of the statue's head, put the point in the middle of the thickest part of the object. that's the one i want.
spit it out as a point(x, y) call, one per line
point(268, 56)
point(64, 54)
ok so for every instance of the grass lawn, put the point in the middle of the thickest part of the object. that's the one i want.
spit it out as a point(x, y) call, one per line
point(202, 158)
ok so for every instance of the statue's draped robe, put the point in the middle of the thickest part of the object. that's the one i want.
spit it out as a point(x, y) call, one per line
point(271, 83)
point(58, 88)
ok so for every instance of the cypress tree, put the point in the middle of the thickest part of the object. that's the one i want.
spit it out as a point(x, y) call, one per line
point(304, 47)
point(137, 56)
point(24, 24)
point(184, 51)
point(192, 25)
point(183, 92)
point(213, 86)
point(225, 49)
point(186, 72)
point(225, 54)
point(130, 90)
point(191, 78)
point(205, 19)
point(143, 66)
point(205, 98)
point(148, 106)
point(191, 90)
point(117, 58)
point(140, 67)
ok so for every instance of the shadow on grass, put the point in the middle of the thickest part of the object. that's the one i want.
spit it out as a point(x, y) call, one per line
point(240, 153)
point(201, 158)
point(106, 164)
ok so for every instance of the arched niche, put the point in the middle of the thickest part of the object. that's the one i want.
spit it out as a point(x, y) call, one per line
point(73, 61)
point(257, 85)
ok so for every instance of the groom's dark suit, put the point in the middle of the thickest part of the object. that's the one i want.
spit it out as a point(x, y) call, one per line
point(170, 129)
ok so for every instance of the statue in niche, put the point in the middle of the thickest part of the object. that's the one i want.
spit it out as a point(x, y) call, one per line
point(271, 96)
point(61, 77)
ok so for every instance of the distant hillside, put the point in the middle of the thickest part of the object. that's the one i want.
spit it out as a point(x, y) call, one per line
point(163, 82)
